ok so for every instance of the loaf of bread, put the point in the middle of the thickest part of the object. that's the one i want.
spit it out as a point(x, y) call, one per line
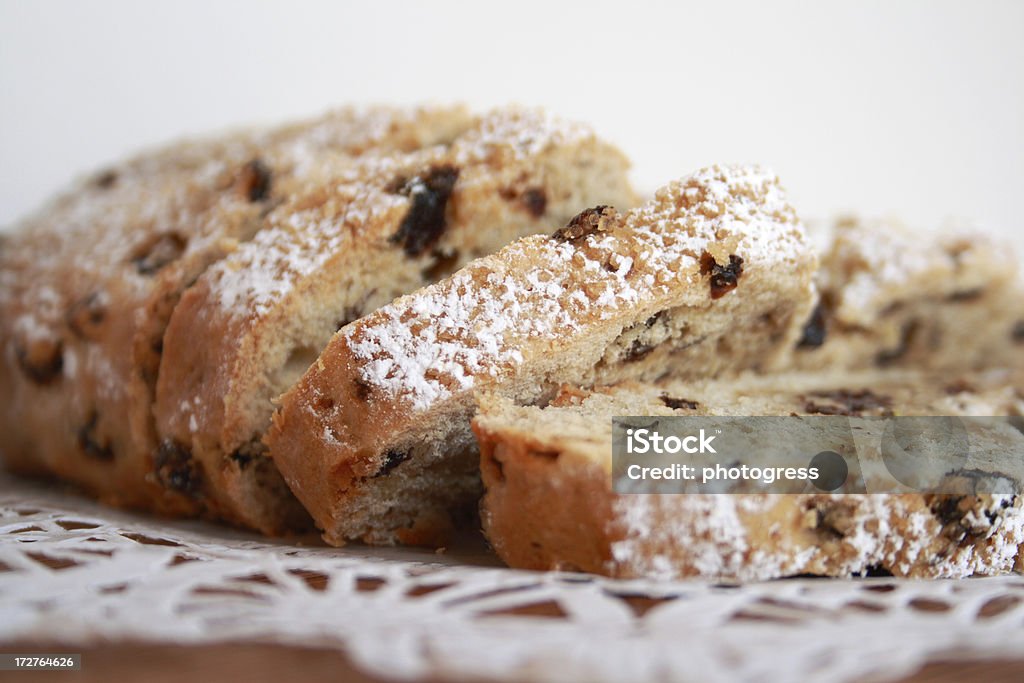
point(180, 330)
point(710, 277)
point(88, 284)
point(165, 271)
point(337, 248)
point(549, 501)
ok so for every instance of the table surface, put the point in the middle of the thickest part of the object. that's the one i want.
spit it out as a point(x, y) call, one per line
point(264, 663)
point(157, 600)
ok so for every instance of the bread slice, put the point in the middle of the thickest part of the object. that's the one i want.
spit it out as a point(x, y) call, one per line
point(711, 276)
point(352, 239)
point(891, 296)
point(88, 284)
point(549, 502)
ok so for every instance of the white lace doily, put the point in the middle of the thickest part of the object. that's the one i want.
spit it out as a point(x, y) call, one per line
point(75, 572)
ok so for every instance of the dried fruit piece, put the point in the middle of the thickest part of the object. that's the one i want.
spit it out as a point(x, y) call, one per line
point(636, 351)
point(876, 571)
point(105, 180)
point(678, 403)
point(907, 334)
point(159, 252)
point(533, 200)
point(176, 469)
point(966, 295)
point(246, 453)
point(89, 443)
point(536, 201)
point(815, 330)
point(640, 346)
point(949, 509)
point(42, 360)
point(848, 403)
point(426, 220)
point(725, 278)
point(363, 390)
point(587, 222)
point(834, 518)
point(392, 459)
point(85, 317)
point(253, 181)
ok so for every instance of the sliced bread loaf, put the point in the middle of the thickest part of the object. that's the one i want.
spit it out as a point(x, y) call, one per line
point(348, 241)
point(88, 284)
point(893, 297)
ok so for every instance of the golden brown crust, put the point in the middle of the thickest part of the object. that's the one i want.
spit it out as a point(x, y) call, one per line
point(527, 487)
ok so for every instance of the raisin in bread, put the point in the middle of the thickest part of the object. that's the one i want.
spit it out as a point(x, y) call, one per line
point(893, 297)
point(332, 251)
point(89, 283)
point(711, 276)
point(549, 502)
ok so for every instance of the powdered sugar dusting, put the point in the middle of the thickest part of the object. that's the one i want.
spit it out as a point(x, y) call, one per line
point(671, 537)
point(440, 340)
point(296, 244)
point(715, 534)
point(521, 132)
point(304, 234)
point(872, 264)
point(746, 202)
point(483, 305)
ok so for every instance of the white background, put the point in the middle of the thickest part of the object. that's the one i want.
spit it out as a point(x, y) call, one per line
point(912, 109)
